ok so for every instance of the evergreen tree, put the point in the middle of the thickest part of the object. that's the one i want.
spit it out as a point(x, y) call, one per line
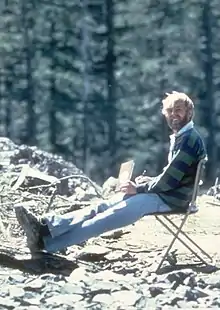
point(86, 79)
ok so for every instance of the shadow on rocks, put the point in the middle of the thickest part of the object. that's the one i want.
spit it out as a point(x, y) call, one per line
point(195, 267)
point(40, 263)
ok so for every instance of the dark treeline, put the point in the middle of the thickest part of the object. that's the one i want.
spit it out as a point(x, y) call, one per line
point(85, 79)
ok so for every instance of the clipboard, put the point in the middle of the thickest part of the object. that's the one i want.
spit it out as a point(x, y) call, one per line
point(125, 171)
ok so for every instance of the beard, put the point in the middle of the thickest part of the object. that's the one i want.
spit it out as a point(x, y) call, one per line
point(177, 124)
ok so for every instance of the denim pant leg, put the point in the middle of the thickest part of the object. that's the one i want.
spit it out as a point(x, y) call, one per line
point(60, 224)
point(123, 213)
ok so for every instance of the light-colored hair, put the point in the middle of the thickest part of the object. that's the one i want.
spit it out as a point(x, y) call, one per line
point(178, 97)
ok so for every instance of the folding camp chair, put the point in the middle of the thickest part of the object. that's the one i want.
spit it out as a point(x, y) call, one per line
point(177, 232)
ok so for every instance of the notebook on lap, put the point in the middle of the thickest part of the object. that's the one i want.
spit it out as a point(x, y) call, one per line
point(125, 171)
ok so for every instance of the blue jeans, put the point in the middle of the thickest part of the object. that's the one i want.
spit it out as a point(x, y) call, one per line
point(79, 226)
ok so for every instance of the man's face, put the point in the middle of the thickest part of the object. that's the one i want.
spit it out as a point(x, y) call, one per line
point(177, 115)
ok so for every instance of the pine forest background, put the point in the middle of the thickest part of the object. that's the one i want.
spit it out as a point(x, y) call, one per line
point(85, 78)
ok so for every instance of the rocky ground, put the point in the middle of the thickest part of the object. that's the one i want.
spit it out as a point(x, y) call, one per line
point(114, 271)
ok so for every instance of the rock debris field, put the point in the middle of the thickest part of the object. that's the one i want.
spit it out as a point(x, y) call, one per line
point(113, 271)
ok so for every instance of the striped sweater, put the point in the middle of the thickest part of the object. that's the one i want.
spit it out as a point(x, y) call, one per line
point(175, 184)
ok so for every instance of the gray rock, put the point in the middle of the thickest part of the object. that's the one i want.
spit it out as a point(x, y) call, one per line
point(4, 291)
point(151, 303)
point(30, 308)
point(16, 278)
point(116, 255)
point(116, 234)
point(103, 298)
point(159, 288)
point(213, 280)
point(195, 293)
point(126, 298)
point(52, 277)
point(104, 286)
point(181, 290)
point(109, 186)
point(72, 288)
point(188, 305)
point(126, 270)
point(80, 193)
point(152, 278)
point(90, 192)
point(191, 281)
point(33, 301)
point(16, 292)
point(10, 303)
point(35, 285)
point(178, 277)
point(169, 297)
point(216, 302)
point(63, 299)
point(93, 253)
point(79, 274)
point(110, 275)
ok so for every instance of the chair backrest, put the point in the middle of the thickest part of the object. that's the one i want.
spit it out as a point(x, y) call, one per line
point(199, 173)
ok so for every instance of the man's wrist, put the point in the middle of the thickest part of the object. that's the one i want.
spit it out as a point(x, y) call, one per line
point(141, 188)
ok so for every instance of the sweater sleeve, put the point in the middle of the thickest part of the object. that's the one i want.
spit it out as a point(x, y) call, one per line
point(173, 173)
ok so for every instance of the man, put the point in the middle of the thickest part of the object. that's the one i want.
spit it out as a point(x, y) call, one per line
point(170, 190)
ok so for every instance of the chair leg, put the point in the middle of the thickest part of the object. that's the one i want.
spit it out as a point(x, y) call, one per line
point(187, 237)
point(176, 236)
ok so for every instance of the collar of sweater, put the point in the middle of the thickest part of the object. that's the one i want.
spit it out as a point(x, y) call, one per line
point(185, 128)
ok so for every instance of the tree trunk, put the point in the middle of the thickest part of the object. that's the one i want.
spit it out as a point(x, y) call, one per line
point(85, 87)
point(111, 86)
point(209, 107)
point(29, 48)
point(8, 108)
point(52, 110)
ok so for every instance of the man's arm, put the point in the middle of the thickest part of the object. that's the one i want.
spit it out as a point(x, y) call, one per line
point(173, 173)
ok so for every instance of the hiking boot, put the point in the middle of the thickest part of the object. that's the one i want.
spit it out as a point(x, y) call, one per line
point(31, 227)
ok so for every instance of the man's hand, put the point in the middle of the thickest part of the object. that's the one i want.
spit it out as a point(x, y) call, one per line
point(142, 179)
point(128, 187)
